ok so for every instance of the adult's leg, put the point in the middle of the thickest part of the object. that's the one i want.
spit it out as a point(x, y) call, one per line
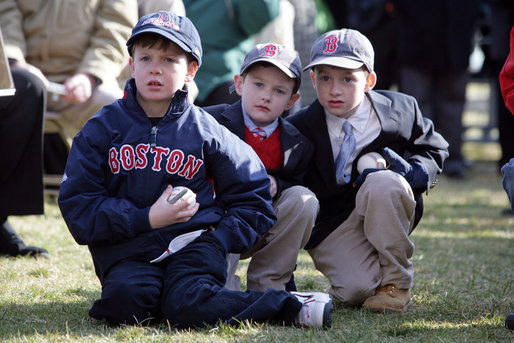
point(451, 97)
point(72, 119)
point(21, 127)
point(21, 175)
point(194, 295)
point(131, 294)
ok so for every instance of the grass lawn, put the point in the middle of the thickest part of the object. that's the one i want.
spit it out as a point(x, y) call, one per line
point(463, 286)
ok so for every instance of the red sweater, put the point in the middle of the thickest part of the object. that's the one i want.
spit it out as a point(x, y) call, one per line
point(269, 150)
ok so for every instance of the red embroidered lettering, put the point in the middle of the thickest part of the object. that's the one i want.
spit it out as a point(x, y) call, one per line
point(158, 152)
point(141, 160)
point(271, 50)
point(190, 168)
point(174, 161)
point(127, 157)
point(114, 164)
point(331, 44)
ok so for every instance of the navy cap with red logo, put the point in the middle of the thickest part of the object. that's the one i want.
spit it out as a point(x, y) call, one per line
point(345, 48)
point(286, 59)
point(180, 30)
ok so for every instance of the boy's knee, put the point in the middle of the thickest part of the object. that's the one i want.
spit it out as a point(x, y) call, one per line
point(124, 303)
point(383, 183)
point(301, 200)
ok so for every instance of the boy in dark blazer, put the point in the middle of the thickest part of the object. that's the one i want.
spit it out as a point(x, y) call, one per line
point(361, 237)
point(268, 83)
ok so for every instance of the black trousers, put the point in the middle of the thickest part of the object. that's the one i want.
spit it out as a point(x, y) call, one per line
point(21, 146)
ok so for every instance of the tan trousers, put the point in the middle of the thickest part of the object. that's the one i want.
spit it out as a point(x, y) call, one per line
point(72, 117)
point(372, 247)
point(274, 256)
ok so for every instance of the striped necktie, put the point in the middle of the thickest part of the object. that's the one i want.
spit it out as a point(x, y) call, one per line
point(347, 149)
point(259, 133)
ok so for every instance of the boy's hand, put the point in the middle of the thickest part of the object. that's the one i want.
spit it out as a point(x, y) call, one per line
point(362, 177)
point(415, 173)
point(164, 214)
point(272, 186)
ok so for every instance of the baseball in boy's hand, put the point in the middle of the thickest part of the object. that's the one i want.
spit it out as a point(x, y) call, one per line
point(371, 160)
point(182, 194)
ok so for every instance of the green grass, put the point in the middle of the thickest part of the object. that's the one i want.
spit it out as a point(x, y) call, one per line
point(463, 286)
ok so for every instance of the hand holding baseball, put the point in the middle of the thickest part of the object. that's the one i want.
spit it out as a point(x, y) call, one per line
point(163, 214)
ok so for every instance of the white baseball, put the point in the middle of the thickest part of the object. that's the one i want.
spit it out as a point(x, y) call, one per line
point(371, 160)
point(189, 196)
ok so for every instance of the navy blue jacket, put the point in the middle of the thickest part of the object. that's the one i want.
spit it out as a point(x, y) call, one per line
point(120, 164)
point(296, 149)
point(404, 130)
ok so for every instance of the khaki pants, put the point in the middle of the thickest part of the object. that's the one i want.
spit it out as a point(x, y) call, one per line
point(72, 117)
point(274, 256)
point(372, 247)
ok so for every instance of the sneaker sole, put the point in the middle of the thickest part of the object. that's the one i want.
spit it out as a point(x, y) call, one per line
point(328, 311)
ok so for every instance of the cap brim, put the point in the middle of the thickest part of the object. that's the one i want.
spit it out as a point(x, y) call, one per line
point(164, 34)
point(341, 62)
point(276, 64)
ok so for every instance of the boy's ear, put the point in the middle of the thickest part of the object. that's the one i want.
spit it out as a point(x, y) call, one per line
point(131, 66)
point(371, 81)
point(192, 68)
point(313, 78)
point(238, 83)
point(294, 98)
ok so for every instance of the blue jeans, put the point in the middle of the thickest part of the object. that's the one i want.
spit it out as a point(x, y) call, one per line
point(187, 290)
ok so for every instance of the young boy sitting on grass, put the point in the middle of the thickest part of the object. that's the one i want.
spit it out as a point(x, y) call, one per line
point(268, 84)
point(121, 172)
point(361, 237)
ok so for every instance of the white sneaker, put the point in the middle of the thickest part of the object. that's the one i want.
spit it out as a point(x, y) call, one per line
point(316, 311)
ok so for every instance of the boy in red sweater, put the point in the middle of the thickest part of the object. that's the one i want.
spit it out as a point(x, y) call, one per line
point(268, 84)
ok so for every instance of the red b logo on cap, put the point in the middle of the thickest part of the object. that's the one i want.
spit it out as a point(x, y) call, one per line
point(331, 44)
point(270, 50)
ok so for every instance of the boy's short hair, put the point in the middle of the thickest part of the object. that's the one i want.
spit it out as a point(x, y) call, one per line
point(180, 30)
point(285, 59)
point(154, 40)
point(345, 48)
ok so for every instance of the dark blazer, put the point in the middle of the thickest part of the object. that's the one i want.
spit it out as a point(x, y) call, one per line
point(297, 150)
point(403, 129)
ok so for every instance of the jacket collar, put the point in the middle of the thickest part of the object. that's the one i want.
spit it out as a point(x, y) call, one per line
point(178, 105)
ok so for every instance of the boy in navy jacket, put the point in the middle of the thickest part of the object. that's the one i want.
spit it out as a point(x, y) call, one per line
point(361, 237)
point(268, 83)
point(120, 175)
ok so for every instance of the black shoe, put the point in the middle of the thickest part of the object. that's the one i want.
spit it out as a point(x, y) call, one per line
point(34, 252)
point(12, 244)
point(509, 321)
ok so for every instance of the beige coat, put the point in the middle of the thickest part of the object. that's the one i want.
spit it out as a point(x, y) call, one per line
point(65, 37)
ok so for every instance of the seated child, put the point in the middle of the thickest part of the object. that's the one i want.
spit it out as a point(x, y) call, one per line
point(120, 175)
point(361, 237)
point(268, 84)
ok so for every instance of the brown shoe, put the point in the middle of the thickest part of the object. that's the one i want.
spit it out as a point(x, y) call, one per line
point(389, 299)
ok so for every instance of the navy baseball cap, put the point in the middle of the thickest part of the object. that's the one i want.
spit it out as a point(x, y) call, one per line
point(280, 56)
point(180, 30)
point(345, 48)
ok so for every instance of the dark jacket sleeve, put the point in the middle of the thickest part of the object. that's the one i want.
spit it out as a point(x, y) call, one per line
point(92, 214)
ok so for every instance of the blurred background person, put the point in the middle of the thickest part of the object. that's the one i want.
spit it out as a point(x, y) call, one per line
point(434, 50)
point(21, 174)
point(79, 44)
point(226, 28)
